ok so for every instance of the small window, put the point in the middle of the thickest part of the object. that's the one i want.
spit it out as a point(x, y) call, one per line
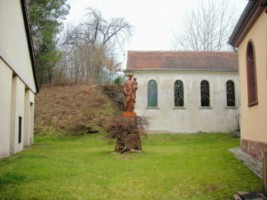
point(20, 130)
point(152, 94)
point(178, 93)
point(205, 93)
point(251, 76)
point(230, 93)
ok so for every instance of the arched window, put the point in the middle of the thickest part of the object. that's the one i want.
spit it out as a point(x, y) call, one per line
point(178, 93)
point(152, 94)
point(205, 93)
point(251, 76)
point(230, 93)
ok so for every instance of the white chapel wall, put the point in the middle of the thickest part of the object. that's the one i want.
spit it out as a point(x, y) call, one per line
point(192, 117)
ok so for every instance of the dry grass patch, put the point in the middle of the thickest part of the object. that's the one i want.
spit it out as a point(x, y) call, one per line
point(76, 108)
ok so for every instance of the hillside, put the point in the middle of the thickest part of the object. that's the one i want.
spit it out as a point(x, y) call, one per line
point(76, 108)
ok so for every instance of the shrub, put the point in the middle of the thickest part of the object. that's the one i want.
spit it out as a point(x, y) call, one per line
point(115, 93)
point(118, 80)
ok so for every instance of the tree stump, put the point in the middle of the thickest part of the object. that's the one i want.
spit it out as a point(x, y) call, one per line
point(130, 142)
point(127, 131)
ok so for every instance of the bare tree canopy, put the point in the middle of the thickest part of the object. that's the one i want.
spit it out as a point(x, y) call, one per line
point(96, 30)
point(206, 27)
point(90, 48)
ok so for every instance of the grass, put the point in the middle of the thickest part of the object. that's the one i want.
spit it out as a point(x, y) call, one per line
point(182, 166)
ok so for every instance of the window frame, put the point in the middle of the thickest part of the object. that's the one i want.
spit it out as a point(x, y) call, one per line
point(201, 94)
point(20, 129)
point(251, 71)
point(156, 94)
point(180, 94)
point(228, 96)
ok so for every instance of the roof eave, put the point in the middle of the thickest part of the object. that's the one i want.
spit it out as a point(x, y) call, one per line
point(245, 22)
point(29, 39)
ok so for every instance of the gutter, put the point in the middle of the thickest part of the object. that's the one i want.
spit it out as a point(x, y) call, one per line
point(245, 22)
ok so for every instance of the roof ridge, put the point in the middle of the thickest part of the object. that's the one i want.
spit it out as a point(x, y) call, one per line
point(182, 52)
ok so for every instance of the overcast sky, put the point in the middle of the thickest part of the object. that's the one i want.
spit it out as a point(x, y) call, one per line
point(154, 20)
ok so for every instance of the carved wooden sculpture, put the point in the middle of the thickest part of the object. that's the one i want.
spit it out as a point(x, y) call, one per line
point(130, 87)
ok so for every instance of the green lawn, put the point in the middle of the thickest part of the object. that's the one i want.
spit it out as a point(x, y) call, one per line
point(196, 166)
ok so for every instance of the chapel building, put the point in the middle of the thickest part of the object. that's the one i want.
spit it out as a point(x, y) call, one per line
point(186, 92)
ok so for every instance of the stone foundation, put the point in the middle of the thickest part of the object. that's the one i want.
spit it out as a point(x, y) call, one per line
point(253, 148)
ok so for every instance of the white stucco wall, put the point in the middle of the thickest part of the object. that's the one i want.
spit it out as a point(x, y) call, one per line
point(28, 118)
point(13, 41)
point(17, 83)
point(17, 110)
point(5, 108)
point(192, 117)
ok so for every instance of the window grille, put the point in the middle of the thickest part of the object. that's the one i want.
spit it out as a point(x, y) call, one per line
point(230, 93)
point(178, 93)
point(152, 94)
point(205, 93)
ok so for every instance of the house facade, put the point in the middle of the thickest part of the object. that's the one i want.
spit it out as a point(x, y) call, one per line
point(250, 38)
point(186, 91)
point(18, 82)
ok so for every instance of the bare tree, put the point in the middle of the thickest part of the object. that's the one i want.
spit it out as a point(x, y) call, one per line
point(92, 45)
point(206, 27)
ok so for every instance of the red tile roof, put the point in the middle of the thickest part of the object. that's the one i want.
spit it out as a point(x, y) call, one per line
point(179, 60)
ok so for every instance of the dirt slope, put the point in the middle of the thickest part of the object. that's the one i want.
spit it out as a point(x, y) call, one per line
point(76, 108)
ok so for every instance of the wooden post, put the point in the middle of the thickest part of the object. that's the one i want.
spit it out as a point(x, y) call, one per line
point(264, 168)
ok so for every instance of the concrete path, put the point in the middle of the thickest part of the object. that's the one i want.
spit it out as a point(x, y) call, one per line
point(249, 161)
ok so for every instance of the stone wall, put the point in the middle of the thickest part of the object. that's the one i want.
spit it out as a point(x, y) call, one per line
point(253, 148)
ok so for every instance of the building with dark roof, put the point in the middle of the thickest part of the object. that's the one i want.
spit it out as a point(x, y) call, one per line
point(188, 60)
point(18, 81)
point(250, 39)
point(186, 91)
